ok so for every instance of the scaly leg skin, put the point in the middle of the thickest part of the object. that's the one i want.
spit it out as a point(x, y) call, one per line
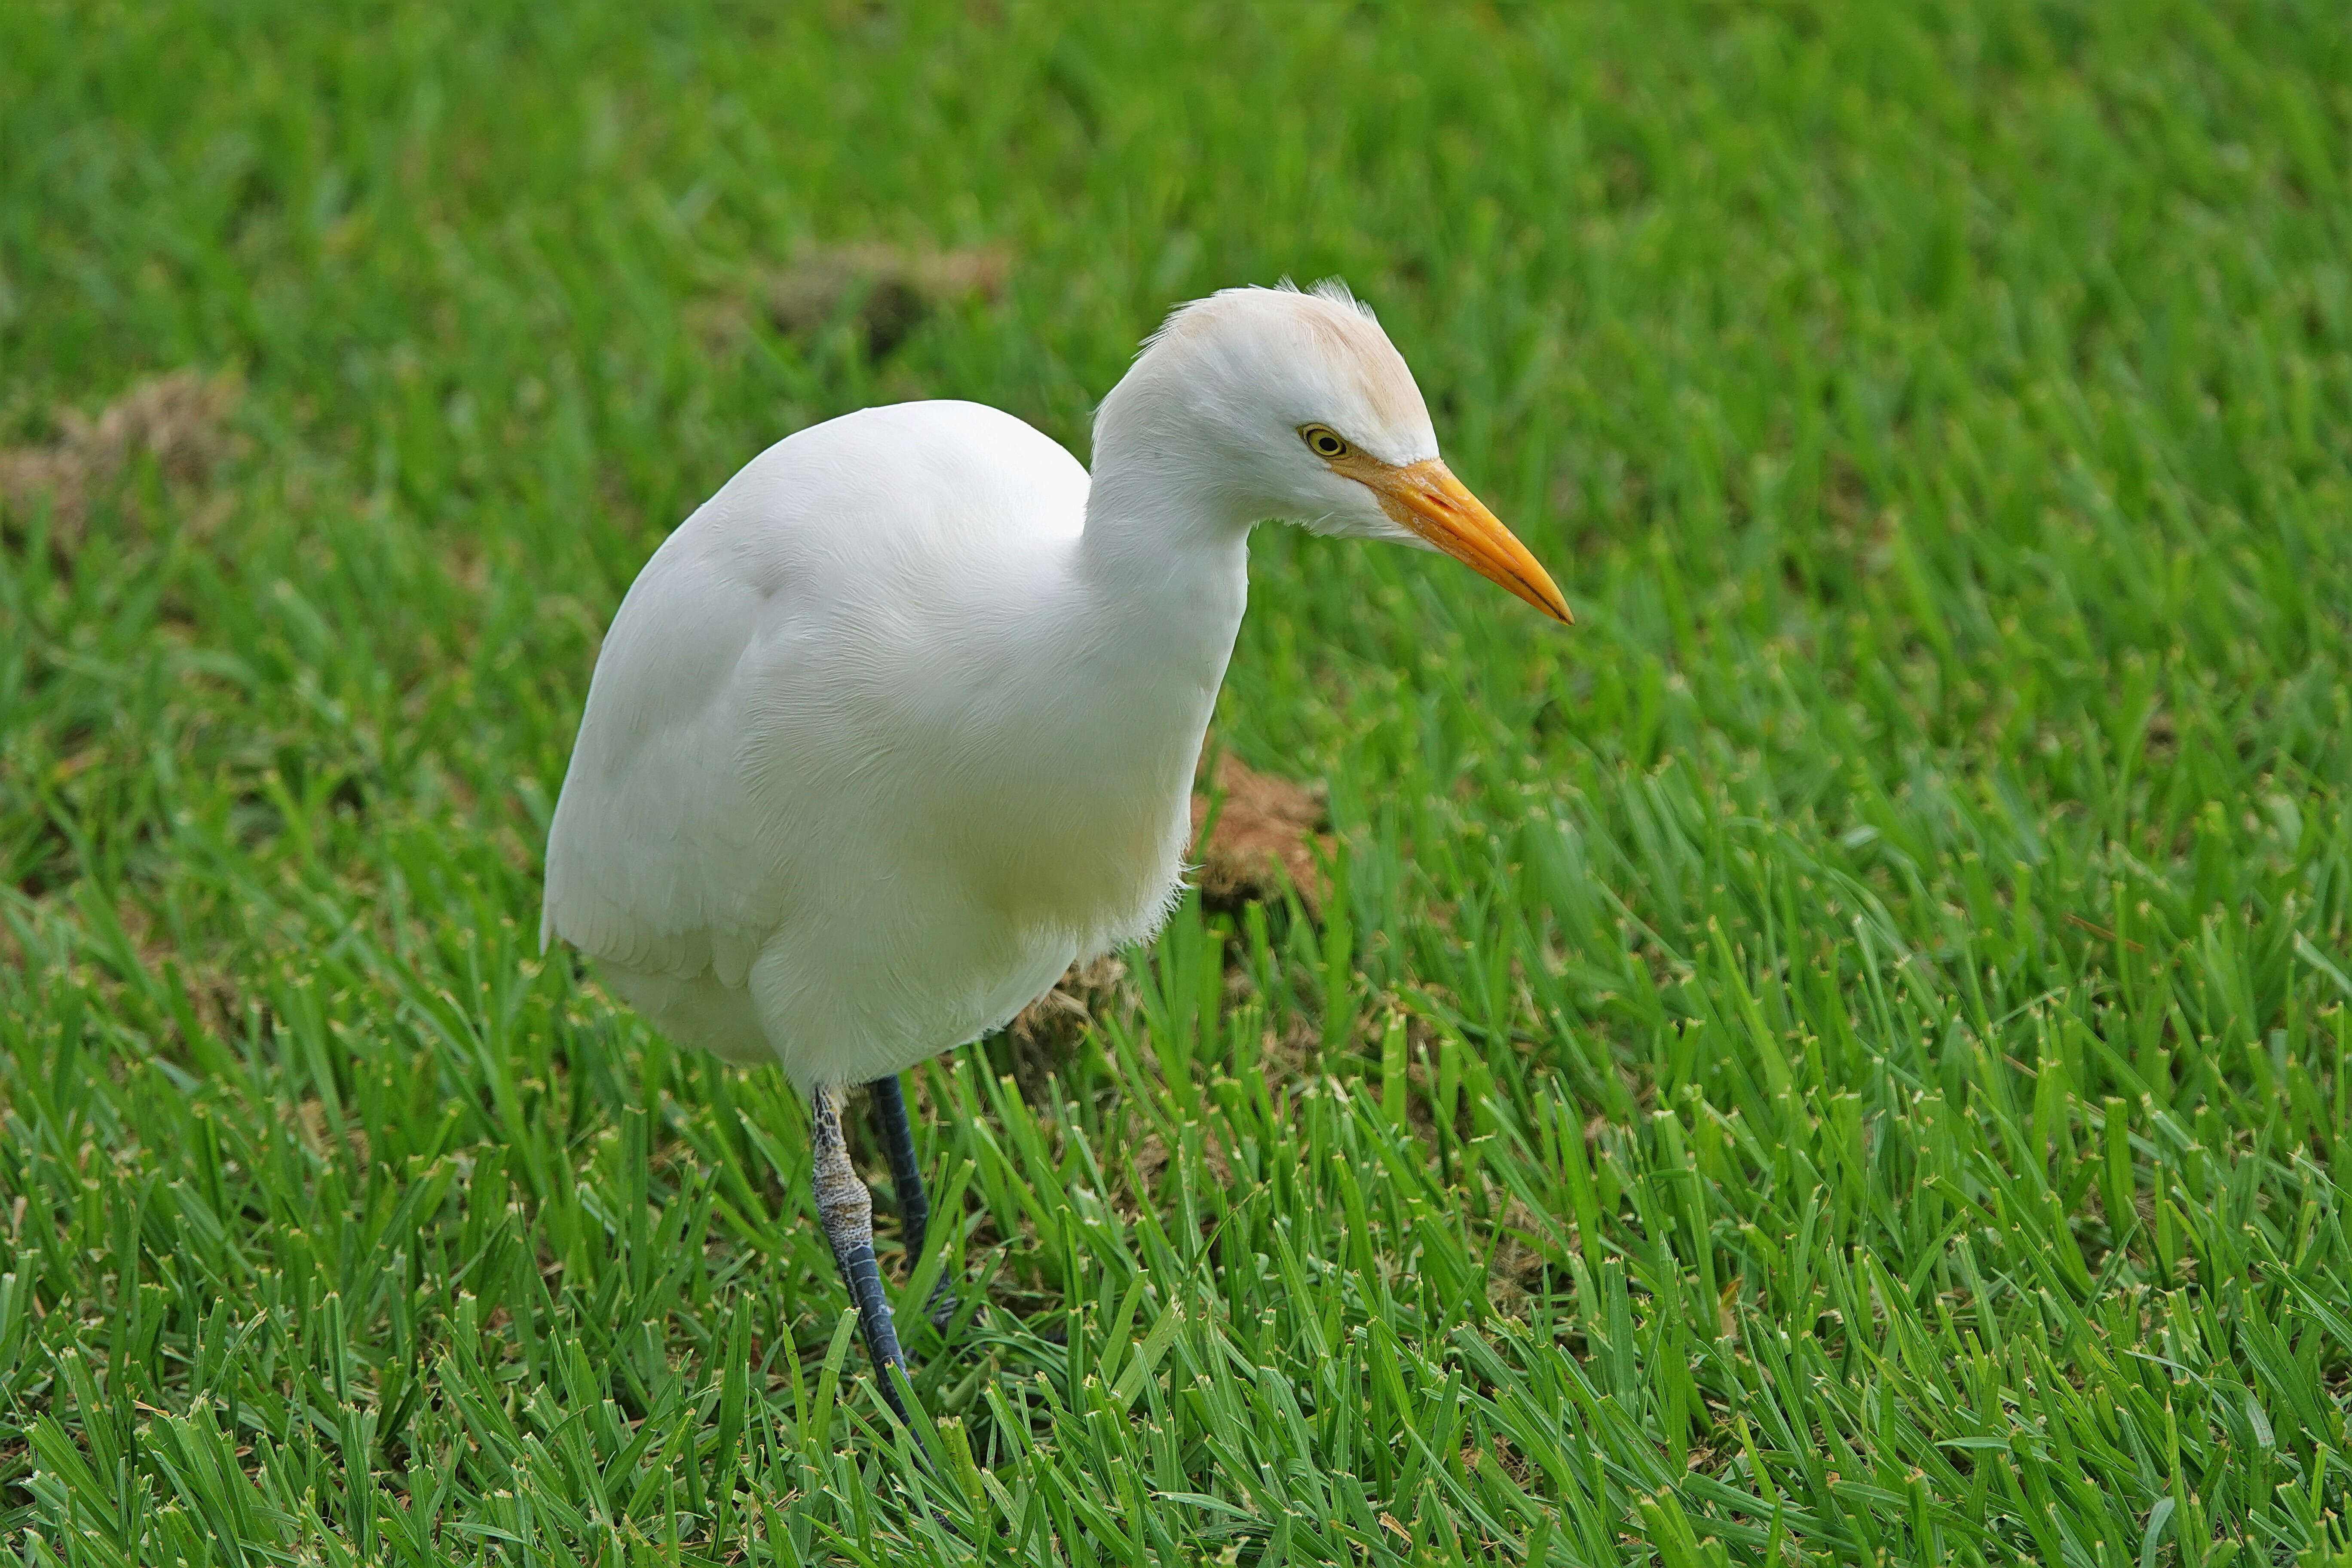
point(907, 1187)
point(846, 1210)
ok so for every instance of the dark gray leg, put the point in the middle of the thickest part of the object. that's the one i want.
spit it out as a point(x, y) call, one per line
point(906, 1175)
point(846, 1210)
point(907, 1186)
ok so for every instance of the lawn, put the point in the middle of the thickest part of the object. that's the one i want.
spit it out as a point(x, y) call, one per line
point(1843, 1056)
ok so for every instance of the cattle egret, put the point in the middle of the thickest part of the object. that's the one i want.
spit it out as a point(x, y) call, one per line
point(903, 720)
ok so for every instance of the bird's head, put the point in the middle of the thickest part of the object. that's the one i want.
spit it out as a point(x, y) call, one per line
point(1295, 404)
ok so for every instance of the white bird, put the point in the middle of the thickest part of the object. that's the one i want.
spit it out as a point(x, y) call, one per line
point(904, 719)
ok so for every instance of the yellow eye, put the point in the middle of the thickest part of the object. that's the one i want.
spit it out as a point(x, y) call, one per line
point(1324, 442)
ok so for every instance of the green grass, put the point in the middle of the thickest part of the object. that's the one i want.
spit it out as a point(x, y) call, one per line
point(1845, 1056)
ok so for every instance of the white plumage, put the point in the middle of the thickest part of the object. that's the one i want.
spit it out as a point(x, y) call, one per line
point(904, 719)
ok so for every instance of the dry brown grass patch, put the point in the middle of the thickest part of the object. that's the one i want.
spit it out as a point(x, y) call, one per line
point(882, 291)
point(1264, 836)
point(179, 420)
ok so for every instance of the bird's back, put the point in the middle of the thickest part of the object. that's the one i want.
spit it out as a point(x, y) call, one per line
point(768, 683)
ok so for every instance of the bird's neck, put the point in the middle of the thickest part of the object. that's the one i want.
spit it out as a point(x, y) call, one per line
point(1161, 576)
point(1168, 561)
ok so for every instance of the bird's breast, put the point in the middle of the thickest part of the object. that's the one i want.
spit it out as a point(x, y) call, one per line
point(1073, 726)
point(1092, 855)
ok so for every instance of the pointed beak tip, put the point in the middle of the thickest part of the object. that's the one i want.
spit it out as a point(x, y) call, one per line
point(1426, 498)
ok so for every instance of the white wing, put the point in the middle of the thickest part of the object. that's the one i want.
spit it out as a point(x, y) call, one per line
point(691, 810)
point(648, 861)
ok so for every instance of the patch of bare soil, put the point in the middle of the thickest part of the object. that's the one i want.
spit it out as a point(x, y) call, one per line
point(179, 419)
point(884, 292)
point(1265, 835)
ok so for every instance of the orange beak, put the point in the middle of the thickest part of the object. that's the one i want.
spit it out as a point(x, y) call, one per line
point(1426, 498)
